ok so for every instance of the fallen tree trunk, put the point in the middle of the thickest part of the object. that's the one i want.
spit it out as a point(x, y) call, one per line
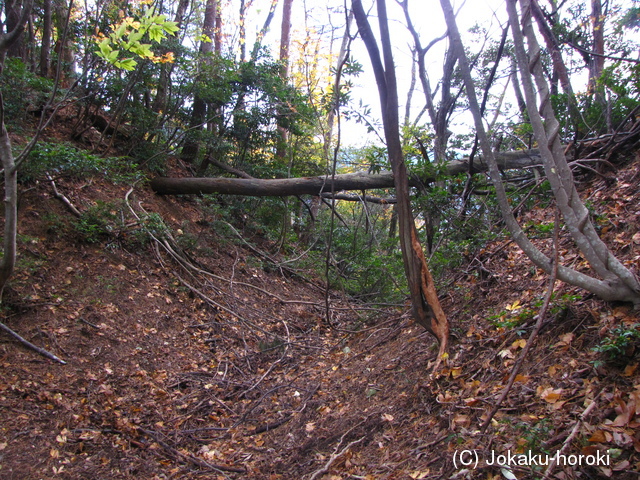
point(280, 187)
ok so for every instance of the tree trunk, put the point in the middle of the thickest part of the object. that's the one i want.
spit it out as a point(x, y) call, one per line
point(515, 82)
point(317, 185)
point(63, 47)
point(617, 278)
point(618, 283)
point(285, 40)
point(12, 10)
point(559, 66)
point(45, 48)
point(243, 31)
point(8, 260)
point(191, 145)
point(264, 30)
point(596, 63)
point(424, 299)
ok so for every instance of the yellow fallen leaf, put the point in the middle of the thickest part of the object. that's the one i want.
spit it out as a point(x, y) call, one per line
point(519, 343)
point(549, 394)
point(514, 306)
point(419, 474)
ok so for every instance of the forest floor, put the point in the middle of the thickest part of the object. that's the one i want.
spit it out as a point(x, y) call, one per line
point(197, 356)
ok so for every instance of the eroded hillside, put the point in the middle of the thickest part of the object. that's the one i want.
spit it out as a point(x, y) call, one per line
point(193, 352)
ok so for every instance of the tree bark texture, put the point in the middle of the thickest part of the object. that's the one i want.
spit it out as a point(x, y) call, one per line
point(45, 47)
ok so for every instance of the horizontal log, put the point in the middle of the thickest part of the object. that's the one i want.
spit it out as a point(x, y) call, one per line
point(279, 187)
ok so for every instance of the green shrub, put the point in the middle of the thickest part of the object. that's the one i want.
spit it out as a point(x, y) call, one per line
point(620, 343)
point(97, 223)
point(64, 159)
point(31, 92)
point(151, 226)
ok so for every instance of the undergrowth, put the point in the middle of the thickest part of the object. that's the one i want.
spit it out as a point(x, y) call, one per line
point(65, 160)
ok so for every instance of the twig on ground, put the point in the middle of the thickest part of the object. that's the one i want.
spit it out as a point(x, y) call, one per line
point(572, 435)
point(30, 345)
point(333, 458)
point(187, 457)
point(70, 206)
point(270, 426)
point(89, 323)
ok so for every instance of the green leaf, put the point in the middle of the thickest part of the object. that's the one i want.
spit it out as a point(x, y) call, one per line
point(171, 27)
point(121, 30)
point(113, 56)
point(142, 50)
point(156, 34)
point(127, 64)
point(105, 48)
point(135, 37)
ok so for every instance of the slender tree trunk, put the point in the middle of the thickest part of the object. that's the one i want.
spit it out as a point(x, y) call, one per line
point(8, 260)
point(515, 82)
point(217, 35)
point(424, 299)
point(191, 145)
point(439, 115)
point(264, 30)
point(618, 283)
point(559, 67)
point(243, 31)
point(412, 87)
point(596, 63)
point(45, 48)
point(331, 115)
point(285, 40)
point(63, 47)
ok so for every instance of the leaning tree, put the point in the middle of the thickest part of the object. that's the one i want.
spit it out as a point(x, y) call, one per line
point(613, 281)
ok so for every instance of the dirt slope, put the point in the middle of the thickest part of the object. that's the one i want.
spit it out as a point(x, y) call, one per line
point(200, 358)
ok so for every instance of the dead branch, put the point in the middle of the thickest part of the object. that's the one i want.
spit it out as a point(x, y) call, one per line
point(335, 456)
point(572, 435)
point(70, 206)
point(271, 426)
point(30, 345)
point(360, 198)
